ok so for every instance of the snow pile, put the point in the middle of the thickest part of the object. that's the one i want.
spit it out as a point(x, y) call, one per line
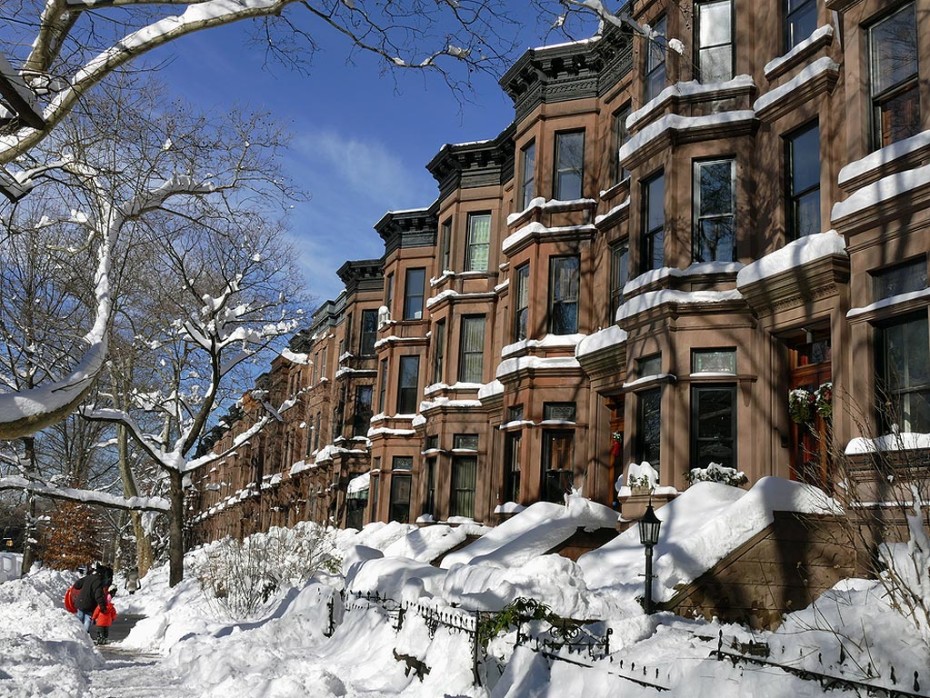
point(428, 543)
point(700, 527)
point(10, 566)
point(534, 531)
point(45, 650)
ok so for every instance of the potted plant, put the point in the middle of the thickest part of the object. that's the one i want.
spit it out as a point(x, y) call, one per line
point(801, 405)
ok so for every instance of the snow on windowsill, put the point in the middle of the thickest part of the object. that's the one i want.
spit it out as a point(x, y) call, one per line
point(696, 269)
point(883, 156)
point(609, 337)
point(795, 254)
point(809, 73)
point(775, 64)
point(888, 303)
point(884, 189)
point(536, 228)
point(655, 378)
point(692, 88)
point(495, 387)
point(548, 341)
point(905, 441)
point(654, 299)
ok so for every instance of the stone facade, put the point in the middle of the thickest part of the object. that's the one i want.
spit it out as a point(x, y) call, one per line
point(640, 267)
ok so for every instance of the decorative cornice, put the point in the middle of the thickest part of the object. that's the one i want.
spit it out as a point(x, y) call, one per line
point(569, 71)
point(797, 286)
point(413, 228)
point(471, 165)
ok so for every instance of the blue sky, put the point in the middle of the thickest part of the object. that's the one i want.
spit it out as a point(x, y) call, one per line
point(361, 139)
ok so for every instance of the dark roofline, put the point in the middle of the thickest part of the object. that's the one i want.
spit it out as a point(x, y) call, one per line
point(478, 164)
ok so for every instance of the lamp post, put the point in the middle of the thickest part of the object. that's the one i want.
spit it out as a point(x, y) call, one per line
point(649, 535)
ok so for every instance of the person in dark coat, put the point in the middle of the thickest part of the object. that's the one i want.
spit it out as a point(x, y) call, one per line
point(92, 594)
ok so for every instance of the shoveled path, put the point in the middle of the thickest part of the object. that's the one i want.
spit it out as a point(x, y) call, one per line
point(128, 673)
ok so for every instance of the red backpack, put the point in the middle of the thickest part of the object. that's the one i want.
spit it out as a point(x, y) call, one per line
point(69, 600)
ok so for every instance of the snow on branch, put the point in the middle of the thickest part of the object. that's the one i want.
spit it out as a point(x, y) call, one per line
point(86, 496)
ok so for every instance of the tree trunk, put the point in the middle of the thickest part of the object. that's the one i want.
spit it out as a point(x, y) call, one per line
point(143, 541)
point(176, 529)
point(29, 537)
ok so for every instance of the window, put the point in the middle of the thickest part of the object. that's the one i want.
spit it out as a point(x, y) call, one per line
point(558, 469)
point(445, 246)
point(439, 351)
point(375, 491)
point(366, 342)
point(621, 136)
point(904, 278)
point(713, 425)
point(429, 501)
point(903, 351)
point(323, 363)
point(479, 242)
point(649, 365)
point(521, 302)
point(464, 475)
point(564, 280)
point(559, 411)
point(654, 78)
point(893, 77)
point(407, 384)
point(382, 384)
point(356, 504)
point(648, 427)
point(363, 413)
point(471, 356)
point(317, 428)
point(715, 41)
point(400, 489)
point(619, 275)
point(800, 21)
point(414, 286)
point(803, 181)
point(652, 252)
point(511, 489)
point(528, 170)
point(714, 211)
point(389, 291)
point(569, 165)
point(713, 361)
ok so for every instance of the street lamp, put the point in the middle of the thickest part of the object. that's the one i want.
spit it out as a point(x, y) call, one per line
point(649, 535)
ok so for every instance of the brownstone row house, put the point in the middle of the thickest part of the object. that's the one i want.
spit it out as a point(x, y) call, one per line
point(686, 219)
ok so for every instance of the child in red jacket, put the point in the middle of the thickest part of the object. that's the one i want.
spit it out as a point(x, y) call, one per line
point(104, 619)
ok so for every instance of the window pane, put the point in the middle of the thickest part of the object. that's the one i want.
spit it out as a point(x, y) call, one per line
point(529, 177)
point(562, 411)
point(439, 352)
point(464, 474)
point(619, 275)
point(413, 294)
point(655, 195)
point(650, 425)
point(472, 349)
point(893, 45)
point(369, 332)
point(469, 441)
point(621, 136)
point(904, 371)
point(715, 226)
point(407, 384)
point(805, 159)
point(479, 237)
point(713, 426)
point(899, 117)
point(650, 365)
point(521, 302)
point(801, 21)
point(400, 498)
point(713, 361)
point(563, 294)
point(657, 45)
point(715, 23)
point(716, 187)
point(569, 165)
point(902, 279)
point(445, 242)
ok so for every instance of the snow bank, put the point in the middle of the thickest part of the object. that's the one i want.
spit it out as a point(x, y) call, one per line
point(44, 649)
point(700, 527)
point(427, 543)
point(533, 532)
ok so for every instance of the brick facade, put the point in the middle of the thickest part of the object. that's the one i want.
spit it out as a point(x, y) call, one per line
point(660, 269)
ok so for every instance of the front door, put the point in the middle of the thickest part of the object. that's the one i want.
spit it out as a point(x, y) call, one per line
point(810, 369)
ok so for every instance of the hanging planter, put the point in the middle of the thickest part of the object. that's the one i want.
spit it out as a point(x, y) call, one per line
point(801, 405)
point(823, 400)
